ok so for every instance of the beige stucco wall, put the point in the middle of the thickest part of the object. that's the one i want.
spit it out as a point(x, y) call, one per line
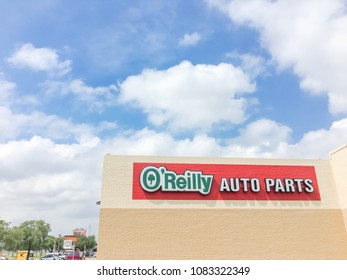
point(142, 229)
point(338, 159)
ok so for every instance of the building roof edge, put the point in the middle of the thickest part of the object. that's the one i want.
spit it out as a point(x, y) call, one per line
point(338, 149)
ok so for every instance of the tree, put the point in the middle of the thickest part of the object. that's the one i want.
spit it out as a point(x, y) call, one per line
point(12, 239)
point(3, 231)
point(42, 229)
point(53, 244)
point(59, 243)
point(29, 235)
point(3, 228)
point(86, 242)
point(35, 233)
point(49, 243)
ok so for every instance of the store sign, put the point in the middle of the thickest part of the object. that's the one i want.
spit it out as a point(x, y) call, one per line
point(67, 244)
point(224, 182)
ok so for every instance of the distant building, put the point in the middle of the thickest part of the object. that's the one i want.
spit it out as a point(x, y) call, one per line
point(79, 232)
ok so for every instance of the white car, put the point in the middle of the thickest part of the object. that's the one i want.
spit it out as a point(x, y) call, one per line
point(51, 257)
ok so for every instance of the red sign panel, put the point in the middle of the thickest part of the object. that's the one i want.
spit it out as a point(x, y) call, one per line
point(168, 181)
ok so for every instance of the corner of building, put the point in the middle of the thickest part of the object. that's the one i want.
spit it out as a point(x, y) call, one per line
point(338, 161)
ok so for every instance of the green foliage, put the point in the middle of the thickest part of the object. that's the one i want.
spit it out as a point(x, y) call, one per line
point(12, 239)
point(53, 244)
point(28, 234)
point(35, 233)
point(50, 243)
point(3, 228)
point(3, 231)
point(86, 242)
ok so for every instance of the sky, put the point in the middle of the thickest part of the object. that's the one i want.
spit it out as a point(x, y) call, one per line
point(216, 78)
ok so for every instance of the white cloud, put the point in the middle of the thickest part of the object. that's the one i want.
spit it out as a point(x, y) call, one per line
point(150, 142)
point(251, 64)
point(189, 96)
point(59, 183)
point(42, 179)
point(97, 98)
point(9, 95)
point(318, 143)
point(6, 90)
point(39, 59)
point(266, 138)
point(265, 135)
point(14, 125)
point(190, 39)
point(20, 125)
point(261, 138)
point(307, 36)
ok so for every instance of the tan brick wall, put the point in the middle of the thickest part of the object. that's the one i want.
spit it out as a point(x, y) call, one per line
point(221, 234)
point(338, 161)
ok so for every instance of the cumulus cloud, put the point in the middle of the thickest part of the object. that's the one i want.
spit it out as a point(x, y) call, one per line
point(190, 39)
point(6, 90)
point(9, 95)
point(264, 134)
point(318, 143)
point(253, 65)
point(16, 125)
point(151, 142)
point(261, 138)
point(21, 125)
point(41, 179)
point(39, 59)
point(306, 36)
point(189, 96)
point(96, 98)
point(267, 138)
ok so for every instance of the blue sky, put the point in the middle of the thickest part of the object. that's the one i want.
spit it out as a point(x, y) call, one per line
point(79, 79)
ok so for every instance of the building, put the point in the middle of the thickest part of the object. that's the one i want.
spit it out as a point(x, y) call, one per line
point(223, 208)
point(79, 232)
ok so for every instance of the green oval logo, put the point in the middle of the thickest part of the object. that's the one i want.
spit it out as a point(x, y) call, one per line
point(150, 179)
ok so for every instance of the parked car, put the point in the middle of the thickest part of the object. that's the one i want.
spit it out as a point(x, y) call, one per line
point(3, 258)
point(62, 256)
point(89, 253)
point(50, 257)
point(73, 255)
